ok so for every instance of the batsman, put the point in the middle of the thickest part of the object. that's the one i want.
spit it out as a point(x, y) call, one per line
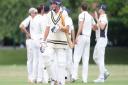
point(56, 34)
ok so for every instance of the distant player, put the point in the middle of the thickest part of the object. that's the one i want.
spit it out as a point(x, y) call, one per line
point(42, 76)
point(25, 27)
point(82, 47)
point(101, 42)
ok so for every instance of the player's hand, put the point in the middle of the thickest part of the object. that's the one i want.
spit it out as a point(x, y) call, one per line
point(43, 45)
point(76, 41)
point(72, 45)
point(94, 27)
point(28, 35)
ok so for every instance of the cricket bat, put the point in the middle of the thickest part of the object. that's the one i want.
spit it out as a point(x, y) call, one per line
point(70, 43)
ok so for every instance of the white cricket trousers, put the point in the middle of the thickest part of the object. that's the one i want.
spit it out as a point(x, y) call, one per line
point(82, 49)
point(38, 64)
point(69, 62)
point(99, 55)
point(29, 58)
point(55, 61)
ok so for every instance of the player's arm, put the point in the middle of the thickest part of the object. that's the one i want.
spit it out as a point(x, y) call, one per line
point(99, 24)
point(46, 32)
point(80, 25)
point(23, 29)
point(73, 36)
point(94, 26)
point(79, 30)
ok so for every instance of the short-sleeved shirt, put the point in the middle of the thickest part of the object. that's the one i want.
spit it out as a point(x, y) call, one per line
point(43, 23)
point(70, 24)
point(88, 23)
point(37, 26)
point(102, 33)
point(26, 21)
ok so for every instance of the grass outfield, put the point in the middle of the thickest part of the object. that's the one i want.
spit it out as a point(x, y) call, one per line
point(16, 75)
point(13, 69)
point(11, 56)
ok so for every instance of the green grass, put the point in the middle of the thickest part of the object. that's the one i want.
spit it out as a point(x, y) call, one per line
point(11, 56)
point(13, 67)
point(16, 75)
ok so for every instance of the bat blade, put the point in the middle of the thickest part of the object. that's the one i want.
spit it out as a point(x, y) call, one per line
point(70, 43)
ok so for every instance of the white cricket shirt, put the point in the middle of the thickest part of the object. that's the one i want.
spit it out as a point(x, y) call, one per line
point(88, 23)
point(103, 19)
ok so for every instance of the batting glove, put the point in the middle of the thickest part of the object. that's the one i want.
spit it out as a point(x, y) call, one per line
point(43, 45)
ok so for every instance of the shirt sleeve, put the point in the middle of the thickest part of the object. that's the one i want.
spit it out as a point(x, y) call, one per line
point(48, 16)
point(67, 21)
point(71, 24)
point(26, 21)
point(41, 23)
point(81, 17)
point(66, 17)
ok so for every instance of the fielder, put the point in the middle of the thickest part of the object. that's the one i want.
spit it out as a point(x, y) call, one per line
point(56, 42)
point(35, 31)
point(36, 27)
point(82, 47)
point(101, 43)
point(25, 27)
point(42, 76)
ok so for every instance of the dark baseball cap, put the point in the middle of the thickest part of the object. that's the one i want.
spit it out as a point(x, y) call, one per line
point(102, 6)
point(58, 2)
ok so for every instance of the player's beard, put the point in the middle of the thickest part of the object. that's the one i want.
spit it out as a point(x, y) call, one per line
point(54, 9)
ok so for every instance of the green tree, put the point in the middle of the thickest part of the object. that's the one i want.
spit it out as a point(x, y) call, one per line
point(11, 14)
point(14, 11)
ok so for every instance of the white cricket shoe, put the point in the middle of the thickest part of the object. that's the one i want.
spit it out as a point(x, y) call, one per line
point(32, 81)
point(54, 83)
point(85, 82)
point(39, 81)
point(73, 80)
point(99, 80)
point(106, 75)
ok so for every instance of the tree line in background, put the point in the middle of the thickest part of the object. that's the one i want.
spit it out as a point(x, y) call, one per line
point(12, 12)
